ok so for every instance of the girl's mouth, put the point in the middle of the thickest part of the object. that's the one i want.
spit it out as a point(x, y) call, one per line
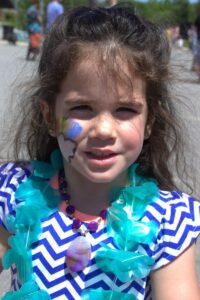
point(101, 159)
point(100, 155)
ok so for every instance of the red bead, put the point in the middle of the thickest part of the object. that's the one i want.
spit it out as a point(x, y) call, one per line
point(92, 226)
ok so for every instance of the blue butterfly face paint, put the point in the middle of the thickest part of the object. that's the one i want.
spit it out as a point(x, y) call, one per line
point(68, 133)
point(73, 131)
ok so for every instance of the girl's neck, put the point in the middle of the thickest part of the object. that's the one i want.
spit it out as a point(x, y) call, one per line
point(90, 197)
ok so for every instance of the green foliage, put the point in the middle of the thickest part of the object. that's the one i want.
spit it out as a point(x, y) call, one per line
point(168, 12)
point(74, 3)
point(165, 12)
point(9, 16)
point(159, 12)
point(21, 13)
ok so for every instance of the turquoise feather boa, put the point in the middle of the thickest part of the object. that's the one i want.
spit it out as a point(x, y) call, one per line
point(39, 200)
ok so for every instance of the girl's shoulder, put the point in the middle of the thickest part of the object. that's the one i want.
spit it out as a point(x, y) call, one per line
point(177, 216)
point(172, 206)
point(11, 175)
point(14, 167)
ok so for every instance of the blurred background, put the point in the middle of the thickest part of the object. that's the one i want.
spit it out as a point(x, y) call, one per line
point(170, 13)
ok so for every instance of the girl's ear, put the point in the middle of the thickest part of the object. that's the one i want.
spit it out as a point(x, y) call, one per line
point(48, 118)
point(44, 107)
point(147, 132)
point(148, 128)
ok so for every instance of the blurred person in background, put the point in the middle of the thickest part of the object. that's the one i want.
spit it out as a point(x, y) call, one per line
point(34, 28)
point(110, 3)
point(192, 38)
point(54, 9)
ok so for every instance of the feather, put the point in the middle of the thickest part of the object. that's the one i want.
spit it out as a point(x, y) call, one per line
point(128, 231)
point(28, 291)
point(100, 294)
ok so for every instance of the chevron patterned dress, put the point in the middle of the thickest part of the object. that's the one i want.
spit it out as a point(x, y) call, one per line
point(177, 215)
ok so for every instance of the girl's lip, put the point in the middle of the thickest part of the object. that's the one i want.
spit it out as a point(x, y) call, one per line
point(107, 159)
point(100, 154)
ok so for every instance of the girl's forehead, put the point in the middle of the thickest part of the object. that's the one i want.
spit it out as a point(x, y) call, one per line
point(90, 80)
point(109, 58)
point(109, 68)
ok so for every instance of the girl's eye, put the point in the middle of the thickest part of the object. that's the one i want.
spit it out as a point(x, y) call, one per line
point(125, 109)
point(82, 112)
point(125, 112)
point(80, 108)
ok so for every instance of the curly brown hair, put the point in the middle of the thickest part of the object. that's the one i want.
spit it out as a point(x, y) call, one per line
point(115, 31)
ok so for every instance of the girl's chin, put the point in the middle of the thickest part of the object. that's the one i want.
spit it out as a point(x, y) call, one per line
point(101, 180)
point(85, 173)
point(103, 177)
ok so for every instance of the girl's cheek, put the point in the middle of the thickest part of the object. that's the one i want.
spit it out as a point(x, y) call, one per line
point(70, 129)
point(133, 129)
point(68, 135)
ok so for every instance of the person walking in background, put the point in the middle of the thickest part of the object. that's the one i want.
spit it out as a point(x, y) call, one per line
point(34, 28)
point(192, 38)
point(110, 3)
point(54, 9)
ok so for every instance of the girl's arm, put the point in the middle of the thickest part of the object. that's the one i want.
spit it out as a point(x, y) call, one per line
point(178, 279)
point(3, 244)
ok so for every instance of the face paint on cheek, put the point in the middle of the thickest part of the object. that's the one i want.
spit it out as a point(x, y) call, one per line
point(69, 129)
point(73, 131)
point(68, 133)
point(67, 148)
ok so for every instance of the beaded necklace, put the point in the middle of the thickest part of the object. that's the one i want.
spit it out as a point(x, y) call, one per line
point(39, 200)
point(70, 209)
point(79, 252)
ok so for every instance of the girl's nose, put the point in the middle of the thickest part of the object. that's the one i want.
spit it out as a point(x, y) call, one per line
point(103, 127)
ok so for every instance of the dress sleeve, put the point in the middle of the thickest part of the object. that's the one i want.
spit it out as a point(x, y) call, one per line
point(178, 218)
point(11, 175)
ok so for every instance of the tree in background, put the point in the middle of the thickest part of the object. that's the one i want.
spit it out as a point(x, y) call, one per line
point(182, 16)
point(166, 12)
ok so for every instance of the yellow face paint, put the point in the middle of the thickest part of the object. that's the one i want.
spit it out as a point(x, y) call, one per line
point(62, 124)
point(69, 129)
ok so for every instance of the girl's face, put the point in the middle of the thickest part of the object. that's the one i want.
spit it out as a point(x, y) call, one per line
point(100, 122)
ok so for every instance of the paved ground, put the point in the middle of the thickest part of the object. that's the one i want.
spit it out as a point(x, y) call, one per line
point(14, 69)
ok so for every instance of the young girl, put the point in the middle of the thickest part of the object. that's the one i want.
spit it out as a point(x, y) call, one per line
point(96, 214)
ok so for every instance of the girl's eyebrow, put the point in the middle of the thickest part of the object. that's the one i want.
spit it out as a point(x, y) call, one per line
point(131, 102)
point(127, 102)
point(78, 101)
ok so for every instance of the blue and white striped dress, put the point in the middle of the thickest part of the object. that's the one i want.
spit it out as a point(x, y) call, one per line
point(177, 215)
